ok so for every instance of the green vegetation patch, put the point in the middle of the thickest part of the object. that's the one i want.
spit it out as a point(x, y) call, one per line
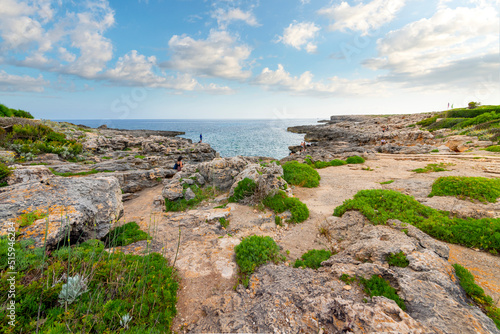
point(301, 175)
point(4, 171)
point(480, 188)
point(398, 260)
point(125, 235)
point(245, 188)
point(111, 286)
point(182, 204)
point(494, 148)
point(26, 219)
point(387, 182)
point(312, 259)
point(139, 156)
point(68, 174)
point(8, 112)
point(379, 205)
point(355, 160)
point(280, 202)
point(475, 292)
point(441, 167)
point(254, 251)
point(375, 286)
point(223, 222)
point(324, 164)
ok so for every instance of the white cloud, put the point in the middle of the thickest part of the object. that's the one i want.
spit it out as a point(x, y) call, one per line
point(23, 83)
point(217, 56)
point(225, 17)
point(431, 45)
point(363, 17)
point(304, 85)
point(300, 34)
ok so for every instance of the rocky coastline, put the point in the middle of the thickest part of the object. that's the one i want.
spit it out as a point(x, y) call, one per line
point(127, 175)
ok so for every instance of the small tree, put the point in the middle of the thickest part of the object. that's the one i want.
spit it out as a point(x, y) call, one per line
point(473, 104)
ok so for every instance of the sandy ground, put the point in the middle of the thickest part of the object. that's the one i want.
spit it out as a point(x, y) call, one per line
point(199, 255)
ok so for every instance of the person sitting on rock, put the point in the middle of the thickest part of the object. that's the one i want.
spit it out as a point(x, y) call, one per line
point(178, 165)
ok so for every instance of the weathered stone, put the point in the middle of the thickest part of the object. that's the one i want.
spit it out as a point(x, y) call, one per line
point(22, 174)
point(172, 191)
point(189, 194)
point(221, 172)
point(86, 205)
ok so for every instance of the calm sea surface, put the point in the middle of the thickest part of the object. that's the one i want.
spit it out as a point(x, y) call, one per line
point(267, 138)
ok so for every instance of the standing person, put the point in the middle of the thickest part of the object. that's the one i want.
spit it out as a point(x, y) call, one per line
point(201, 138)
point(178, 165)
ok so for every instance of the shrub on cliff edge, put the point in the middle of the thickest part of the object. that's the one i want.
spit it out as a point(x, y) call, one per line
point(300, 174)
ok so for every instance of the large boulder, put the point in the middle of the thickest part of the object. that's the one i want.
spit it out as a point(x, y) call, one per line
point(136, 180)
point(22, 174)
point(268, 177)
point(221, 172)
point(83, 207)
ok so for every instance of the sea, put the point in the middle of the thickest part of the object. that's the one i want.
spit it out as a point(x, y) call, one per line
point(264, 138)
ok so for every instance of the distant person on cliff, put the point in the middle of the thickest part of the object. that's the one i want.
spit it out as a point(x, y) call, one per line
point(303, 144)
point(178, 165)
point(201, 138)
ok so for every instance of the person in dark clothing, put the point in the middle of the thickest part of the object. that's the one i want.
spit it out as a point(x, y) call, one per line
point(178, 165)
point(201, 138)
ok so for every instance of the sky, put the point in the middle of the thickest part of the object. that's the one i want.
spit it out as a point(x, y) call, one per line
point(201, 59)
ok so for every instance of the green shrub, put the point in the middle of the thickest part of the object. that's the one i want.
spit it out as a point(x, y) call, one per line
point(380, 205)
point(494, 148)
point(26, 219)
point(245, 188)
point(8, 112)
point(254, 251)
point(312, 259)
point(428, 121)
point(446, 123)
point(278, 221)
point(435, 150)
point(223, 222)
point(475, 292)
point(144, 287)
point(300, 175)
point(377, 286)
point(468, 113)
point(139, 156)
point(68, 174)
point(4, 171)
point(182, 204)
point(387, 182)
point(432, 168)
point(125, 235)
point(480, 188)
point(398, 260)
point(280, 202)
point(324, 164)
point(355, 160)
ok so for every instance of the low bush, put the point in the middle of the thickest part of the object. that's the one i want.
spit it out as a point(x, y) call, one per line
point(254, 251)
point(387, 182)
point(398, 260)
point(446, 123)
point(4, 171)
point(280, 202)
point(324, 164)
point(428, 121)
point(380, 205)
point(8, 112)
point(125, 235)
point(479, 188)
point(26, 219)
point(114, 285)
point(68, 174)
point(432, 168)
point(355, 160)
point(301, 175)
point(494, 148)
point(245, 188)
point(312, 259)
point(475, 292)
point(377, 286)
point(223, 222)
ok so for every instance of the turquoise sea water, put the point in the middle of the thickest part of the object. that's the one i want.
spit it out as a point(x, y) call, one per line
point(267, 138)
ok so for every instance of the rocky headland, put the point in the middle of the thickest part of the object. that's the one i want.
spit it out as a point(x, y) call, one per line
point(196, 218)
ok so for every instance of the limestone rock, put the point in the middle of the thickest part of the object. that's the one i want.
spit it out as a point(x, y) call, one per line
point(22, 174)
point(221, 172)
point(189, 194)
point(86, 205)
point(172, 191)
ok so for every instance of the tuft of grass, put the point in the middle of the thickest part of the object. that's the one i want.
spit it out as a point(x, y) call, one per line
point(280, 202)
point(301, 175)
point(223, 222)
point(398, 260)
point(355, 160)
point(475, 292)
point(138, 156)
point(254, 251)
point(183, 204)
point(377, 286)
point(379, 205)
point(479, 188)
point(387, 182)
point(125, 235)
point(493, 148)
point(67, 174)
point(26, 219)
point(245, 188)
point(312, 259)
point(435, 150)
point(4, 171)
point(106, 158)
point(432, 168)
point(278, 221)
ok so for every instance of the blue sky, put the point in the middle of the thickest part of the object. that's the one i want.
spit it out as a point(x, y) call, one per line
point(133, 59)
